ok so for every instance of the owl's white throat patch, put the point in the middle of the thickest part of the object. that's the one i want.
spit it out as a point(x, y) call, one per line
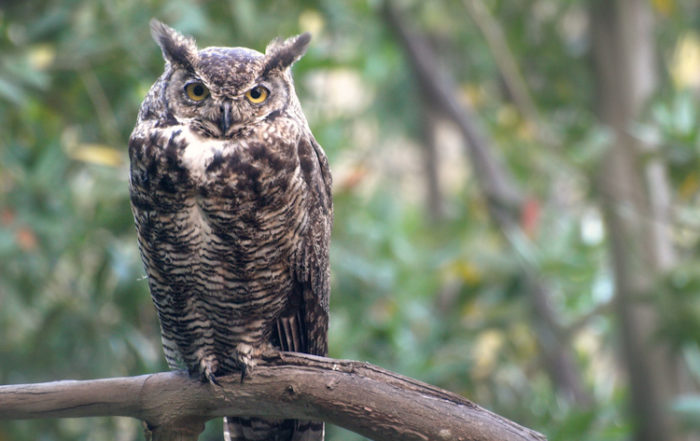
point(199, 153)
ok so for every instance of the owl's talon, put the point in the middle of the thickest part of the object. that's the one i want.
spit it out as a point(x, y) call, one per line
point(208, 366)
point(212, 379)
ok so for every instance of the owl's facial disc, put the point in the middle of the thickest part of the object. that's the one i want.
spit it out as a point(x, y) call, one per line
point(225, 90)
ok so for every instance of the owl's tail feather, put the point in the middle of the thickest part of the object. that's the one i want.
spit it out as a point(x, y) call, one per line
point(309, 431)
point(260, 429)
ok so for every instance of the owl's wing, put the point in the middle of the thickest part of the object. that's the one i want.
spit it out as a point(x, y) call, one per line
point(305, 327)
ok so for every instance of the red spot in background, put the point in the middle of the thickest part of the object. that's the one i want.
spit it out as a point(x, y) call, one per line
point(530, 217)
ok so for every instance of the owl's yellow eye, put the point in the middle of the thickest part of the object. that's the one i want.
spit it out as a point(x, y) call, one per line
point(257, 94)
point(196, 91)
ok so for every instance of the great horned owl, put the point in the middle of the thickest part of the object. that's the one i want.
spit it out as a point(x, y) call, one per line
point(231, 195)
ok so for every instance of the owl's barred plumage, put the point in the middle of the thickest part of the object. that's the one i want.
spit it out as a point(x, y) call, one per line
point(232, 203)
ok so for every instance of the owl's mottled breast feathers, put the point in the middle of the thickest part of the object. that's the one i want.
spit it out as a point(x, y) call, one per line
point(231, 196)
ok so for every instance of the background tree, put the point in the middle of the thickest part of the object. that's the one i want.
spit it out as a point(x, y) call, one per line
point(433, 290)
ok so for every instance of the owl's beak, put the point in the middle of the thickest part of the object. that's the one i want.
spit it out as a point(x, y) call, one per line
point(226, 119)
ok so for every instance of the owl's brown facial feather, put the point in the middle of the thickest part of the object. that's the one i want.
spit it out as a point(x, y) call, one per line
point(230, 68)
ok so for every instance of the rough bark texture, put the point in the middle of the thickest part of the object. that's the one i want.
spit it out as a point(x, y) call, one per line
point(504, 200)
point(366, 399)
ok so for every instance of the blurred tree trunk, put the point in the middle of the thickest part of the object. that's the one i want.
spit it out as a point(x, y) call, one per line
point(434, 198)
point(505, 204)
point(636, 198)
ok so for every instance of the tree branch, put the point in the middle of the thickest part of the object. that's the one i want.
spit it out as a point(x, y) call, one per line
point(496, 183)
point(502, 55)
point(366, 399)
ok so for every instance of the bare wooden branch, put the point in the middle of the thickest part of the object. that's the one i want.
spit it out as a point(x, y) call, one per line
point(366, 399)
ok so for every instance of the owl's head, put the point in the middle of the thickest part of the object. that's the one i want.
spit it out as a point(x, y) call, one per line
point(217, 90)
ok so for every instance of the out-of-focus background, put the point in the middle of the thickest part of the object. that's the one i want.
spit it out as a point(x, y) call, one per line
point(516, 191)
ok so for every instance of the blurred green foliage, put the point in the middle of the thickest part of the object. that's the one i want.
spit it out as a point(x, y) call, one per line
point(442, 301)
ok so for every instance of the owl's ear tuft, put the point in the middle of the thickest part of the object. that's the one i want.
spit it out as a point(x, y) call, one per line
point(280, 54)
point(177, 49)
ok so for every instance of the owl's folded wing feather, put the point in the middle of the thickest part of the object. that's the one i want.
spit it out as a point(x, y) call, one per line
point(313, 269)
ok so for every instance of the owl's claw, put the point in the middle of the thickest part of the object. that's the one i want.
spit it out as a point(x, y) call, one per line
point(208, 366)
point(246, 357)
point(212, 379)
